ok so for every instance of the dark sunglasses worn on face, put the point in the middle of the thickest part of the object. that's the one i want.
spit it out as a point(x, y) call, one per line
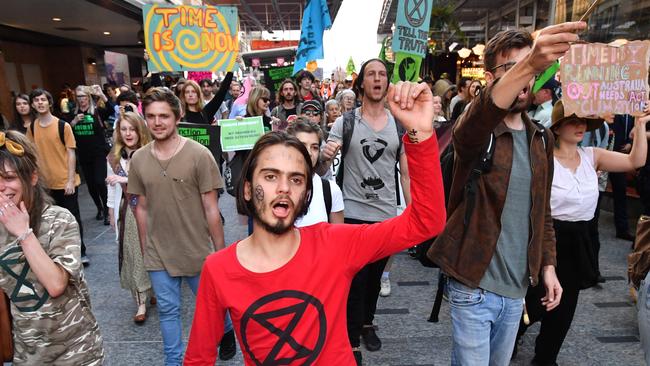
point(311, 112)
point(265, 99)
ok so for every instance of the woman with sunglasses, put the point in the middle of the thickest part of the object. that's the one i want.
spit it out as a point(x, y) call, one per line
point(259, 100)
point(40, 267)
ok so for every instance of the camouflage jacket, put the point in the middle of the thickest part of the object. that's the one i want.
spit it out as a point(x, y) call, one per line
point(47, 331)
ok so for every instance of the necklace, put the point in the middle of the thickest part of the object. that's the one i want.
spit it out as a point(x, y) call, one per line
point(164, 169)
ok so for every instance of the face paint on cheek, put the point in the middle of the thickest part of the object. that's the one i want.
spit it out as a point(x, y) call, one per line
point(259, 193)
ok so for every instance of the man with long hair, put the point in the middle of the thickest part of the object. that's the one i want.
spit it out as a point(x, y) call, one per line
point(285, 287)
point(288, 103)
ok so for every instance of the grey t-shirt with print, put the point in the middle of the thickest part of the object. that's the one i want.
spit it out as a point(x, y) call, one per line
point(369, 177)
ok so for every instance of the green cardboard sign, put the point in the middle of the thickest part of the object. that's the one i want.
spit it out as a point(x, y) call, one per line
point(240, 134)
point(206, 135)
point(407, 67)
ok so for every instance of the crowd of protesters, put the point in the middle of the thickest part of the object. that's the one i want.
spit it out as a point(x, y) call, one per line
point(159, 191)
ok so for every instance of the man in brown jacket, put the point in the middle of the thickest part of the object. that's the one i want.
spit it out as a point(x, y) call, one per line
point(507, 241)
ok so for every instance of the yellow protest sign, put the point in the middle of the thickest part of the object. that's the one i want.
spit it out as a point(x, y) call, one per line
point(191, 38)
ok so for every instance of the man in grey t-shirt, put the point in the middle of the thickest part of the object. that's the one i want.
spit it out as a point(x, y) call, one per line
point(369, 187)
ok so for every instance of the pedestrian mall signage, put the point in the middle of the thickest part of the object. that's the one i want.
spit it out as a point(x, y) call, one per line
point(473, 72)
point(240, 134)
point(191, 38)
point(598, 78)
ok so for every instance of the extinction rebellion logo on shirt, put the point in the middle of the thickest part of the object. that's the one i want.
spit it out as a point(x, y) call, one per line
point(85, 127)
point(295, 323)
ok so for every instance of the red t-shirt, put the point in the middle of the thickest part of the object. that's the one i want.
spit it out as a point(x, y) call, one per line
point(296, 314)
point(309, 96)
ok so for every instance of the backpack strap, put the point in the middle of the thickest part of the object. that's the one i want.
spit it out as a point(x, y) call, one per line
point(400, 133)
point(327, 196)
point(437, 303)
point(348, 129)
point(540, 127)
point(61, 131)
point(482, 166)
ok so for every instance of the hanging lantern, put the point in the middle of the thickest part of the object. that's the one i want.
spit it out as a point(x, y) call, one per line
point(478, 49)
point(464, 52)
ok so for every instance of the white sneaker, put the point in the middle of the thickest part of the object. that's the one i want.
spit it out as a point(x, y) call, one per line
point(385, 287)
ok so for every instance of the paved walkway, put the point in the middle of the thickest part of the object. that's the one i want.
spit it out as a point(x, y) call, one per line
point(604, 330)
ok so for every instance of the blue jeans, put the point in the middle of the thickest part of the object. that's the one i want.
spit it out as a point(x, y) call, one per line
point(168, 294)
point(643, 308)
point(484, 325)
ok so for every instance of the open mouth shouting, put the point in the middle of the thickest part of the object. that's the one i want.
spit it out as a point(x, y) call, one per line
point(281, 208)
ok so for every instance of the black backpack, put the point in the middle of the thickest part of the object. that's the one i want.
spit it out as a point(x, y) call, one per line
point(61, 131)
point(348, 129)
point(447, 158)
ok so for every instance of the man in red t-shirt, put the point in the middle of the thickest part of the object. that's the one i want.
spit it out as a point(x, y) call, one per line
point(287, 288)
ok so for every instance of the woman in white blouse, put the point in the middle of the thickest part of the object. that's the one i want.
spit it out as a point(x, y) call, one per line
point(574, 195)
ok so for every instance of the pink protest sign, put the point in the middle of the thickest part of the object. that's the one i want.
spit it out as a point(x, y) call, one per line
point(598, 78)
point(199, 75)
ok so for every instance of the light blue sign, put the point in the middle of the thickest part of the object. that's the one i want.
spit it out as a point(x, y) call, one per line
point(412, 27)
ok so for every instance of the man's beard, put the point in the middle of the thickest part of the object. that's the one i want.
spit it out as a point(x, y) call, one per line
point(377, 100)
point(288, 98)
point(282, 226)
point(519, 106)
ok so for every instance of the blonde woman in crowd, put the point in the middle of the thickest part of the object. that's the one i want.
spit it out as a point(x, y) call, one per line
point(130, 134)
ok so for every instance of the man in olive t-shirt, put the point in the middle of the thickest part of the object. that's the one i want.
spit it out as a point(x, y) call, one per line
point(177, 214)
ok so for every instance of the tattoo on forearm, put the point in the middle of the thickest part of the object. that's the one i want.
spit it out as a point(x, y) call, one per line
point(413, 136)
point(259, 193)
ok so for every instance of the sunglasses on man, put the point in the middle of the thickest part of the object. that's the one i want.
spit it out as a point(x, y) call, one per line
point(311, 113)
